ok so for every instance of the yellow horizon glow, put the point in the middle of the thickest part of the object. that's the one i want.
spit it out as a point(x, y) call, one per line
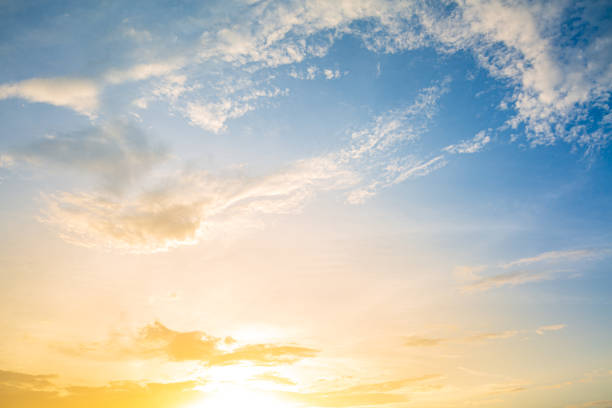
point(234, 395)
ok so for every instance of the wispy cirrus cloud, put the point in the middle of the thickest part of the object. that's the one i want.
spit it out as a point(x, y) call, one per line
point(553, 327)
point(186, 206)
point(476, 338)
point(545, 266)
point(470, 146)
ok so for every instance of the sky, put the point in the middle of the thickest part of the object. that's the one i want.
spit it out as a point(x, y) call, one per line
point(305, 204)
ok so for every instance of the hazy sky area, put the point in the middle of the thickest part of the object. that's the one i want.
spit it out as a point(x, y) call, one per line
point(305, 204)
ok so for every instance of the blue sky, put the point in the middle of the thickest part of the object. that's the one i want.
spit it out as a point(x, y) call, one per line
point(430, 179)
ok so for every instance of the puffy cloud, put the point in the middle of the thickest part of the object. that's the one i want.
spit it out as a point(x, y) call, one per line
point(556, 80)
point(312, 72)
point(554, 77)
point(80, 95)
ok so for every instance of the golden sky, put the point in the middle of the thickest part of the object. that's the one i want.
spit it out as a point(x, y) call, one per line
point(305, 204)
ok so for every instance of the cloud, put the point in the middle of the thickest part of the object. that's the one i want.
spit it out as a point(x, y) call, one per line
point(117, 153)
point(274, 378)
point(555, 82)
point(140, 72)
point(25, 381)
point(158, 341)
point(186, 206)
point(213, 116)
point(375, 394)
point(80, 95)
point(545, 266)
point(470, 146)
point(483, 337)
point(312, 72)
point(543, 329)
point(373, 149)
point(508, 279)
point(556, 256)
point(418, 341)
point(332, 74)
point(554, 77)
point(25, 391)
point(141, 394)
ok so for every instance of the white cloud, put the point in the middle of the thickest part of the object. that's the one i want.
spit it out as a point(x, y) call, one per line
point(470, 146)
point(213, 116)
point(312, 72)
point(188, 206)
point(80, 95)
point(553, 82)
point(554, 77)
point(142, 71)
point(332, 74)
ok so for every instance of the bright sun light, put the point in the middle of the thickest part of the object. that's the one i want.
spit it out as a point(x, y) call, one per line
point(234, 396)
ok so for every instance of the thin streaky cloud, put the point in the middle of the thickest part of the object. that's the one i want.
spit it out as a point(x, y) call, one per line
point(553, 327)
point(545, 266)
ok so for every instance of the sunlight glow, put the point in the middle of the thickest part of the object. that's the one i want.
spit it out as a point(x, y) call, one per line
point(235, 396)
